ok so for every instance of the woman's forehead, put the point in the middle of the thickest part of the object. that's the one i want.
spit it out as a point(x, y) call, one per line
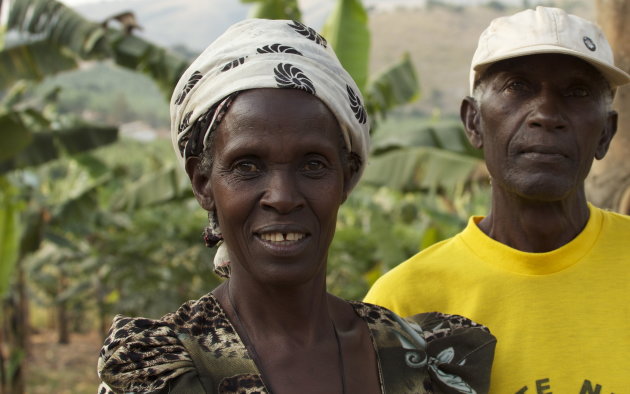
point(277, 115)
point(279, 106)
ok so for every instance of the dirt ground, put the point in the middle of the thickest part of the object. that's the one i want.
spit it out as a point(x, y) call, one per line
point(63, 369)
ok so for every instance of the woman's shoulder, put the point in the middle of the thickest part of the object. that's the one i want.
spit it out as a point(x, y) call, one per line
point(453, 351)
point(432, 324)
point(195, 317)
point(141, 354)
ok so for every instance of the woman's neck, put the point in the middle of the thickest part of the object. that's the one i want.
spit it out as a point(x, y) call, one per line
point(297, 314)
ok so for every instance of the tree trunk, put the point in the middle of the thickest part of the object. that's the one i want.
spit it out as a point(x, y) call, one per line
point(62, 312)
point(608, 185)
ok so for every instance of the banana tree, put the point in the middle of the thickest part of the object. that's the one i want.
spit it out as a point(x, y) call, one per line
point(422, 155)
point(52, 37)
point(46, 37)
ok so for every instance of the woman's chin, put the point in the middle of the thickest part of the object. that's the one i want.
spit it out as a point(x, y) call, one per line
point(283, 272)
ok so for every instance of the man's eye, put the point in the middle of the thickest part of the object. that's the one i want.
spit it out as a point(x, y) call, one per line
point(578, 91)
point(517, 86)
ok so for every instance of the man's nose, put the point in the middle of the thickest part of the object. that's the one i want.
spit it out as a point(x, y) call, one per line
point(282, 192)
point(547, 112)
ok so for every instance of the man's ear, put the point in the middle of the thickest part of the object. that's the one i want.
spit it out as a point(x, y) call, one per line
point(470, 116)
point(200, 181)
point(607, 135)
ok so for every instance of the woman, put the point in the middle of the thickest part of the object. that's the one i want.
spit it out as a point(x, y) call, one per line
point(273, 135)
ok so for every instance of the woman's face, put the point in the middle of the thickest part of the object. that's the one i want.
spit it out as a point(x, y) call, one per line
point(277, 182)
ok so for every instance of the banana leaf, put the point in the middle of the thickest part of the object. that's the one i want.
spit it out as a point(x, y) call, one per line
point(163, 186)
point(23, 148)
point(419, 169)
point(274, 9)
point(65, 38)
point(395, 86)
point(33, 61)
point(347, 31)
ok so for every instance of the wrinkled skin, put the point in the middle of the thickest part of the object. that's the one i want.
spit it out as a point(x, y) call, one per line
point(277, 173)
point(540, 120)
point(277, 181)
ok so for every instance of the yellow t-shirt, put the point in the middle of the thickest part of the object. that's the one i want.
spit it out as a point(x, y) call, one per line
point(561, 318)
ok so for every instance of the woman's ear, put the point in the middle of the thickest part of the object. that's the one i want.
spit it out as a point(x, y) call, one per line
point(200, 181)
point(470, 116)
point(350, 172)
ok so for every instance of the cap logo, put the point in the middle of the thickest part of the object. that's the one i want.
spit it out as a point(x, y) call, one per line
point(589, 43)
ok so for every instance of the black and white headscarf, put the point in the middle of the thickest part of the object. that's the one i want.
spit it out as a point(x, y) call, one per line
point(260, 53)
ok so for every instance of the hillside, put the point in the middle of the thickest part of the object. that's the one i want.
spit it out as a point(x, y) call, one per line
point(441, 42)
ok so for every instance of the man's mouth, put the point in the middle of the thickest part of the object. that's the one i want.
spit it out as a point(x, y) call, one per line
point(543, 154)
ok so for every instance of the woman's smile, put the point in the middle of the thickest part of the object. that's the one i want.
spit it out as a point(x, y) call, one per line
point(284, 244)
point(281, 237)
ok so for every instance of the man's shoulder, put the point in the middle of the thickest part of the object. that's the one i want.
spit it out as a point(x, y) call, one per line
point(618, 218)
point(428, 263)
point(614, 225)
point(434, 255)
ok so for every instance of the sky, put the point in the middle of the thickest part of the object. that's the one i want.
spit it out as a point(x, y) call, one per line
point(313, 3)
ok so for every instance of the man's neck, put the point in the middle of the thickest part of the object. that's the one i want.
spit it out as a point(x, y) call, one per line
point(535, 226)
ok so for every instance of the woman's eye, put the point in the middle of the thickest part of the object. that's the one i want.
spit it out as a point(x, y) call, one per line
point(314, 165)
point(247, 167)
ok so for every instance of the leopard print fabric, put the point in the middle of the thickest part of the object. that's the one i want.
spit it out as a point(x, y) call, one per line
point(142, 355)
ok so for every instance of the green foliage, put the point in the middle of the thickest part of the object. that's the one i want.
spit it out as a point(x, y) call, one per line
point(15, 136)
point(396, 86)
point(98, 255)
point(275, 9)
point(10, 231)
point(169, 184)
point(26, 148)
point(420, 169)
point(67, 37)
point(109, 94)
point(417, 154)
point(378, 228)
point(33, 61)
point(347, 32)
point(59, 24)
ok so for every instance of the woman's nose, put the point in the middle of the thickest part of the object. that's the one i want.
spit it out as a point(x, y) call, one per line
point(282, 193)
point(547, 112)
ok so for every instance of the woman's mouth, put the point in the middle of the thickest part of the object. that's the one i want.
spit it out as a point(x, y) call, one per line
point(282, 237)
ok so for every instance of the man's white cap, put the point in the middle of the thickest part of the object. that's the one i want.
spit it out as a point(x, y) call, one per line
point(545, 30)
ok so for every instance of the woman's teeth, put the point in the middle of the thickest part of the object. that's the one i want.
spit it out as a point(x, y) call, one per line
point(281, 237)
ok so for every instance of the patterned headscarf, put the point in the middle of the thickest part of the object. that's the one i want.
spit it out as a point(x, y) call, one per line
point(260, 53)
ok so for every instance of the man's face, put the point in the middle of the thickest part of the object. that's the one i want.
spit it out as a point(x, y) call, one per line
point(541, 120)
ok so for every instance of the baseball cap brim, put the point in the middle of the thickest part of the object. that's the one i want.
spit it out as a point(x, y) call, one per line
point(615, 76)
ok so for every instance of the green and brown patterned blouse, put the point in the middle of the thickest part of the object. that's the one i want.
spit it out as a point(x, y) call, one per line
point(197, 350)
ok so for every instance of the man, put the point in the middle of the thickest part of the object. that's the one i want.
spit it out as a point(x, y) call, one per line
point(546, 271)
